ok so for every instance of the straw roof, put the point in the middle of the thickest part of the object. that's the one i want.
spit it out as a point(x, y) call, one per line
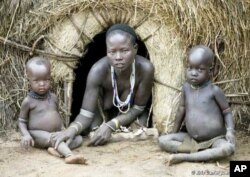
point(61, 30)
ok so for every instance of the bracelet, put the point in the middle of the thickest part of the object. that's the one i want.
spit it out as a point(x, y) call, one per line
point(74, 127)
point(116, 123)
point(109, 127)
point(230, 129)
point(225, 111)
point(22, 120)
point(79, 123)
point(87, 114)
point(139, 108)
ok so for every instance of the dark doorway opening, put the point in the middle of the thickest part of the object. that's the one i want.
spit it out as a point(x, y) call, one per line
point(95, 51)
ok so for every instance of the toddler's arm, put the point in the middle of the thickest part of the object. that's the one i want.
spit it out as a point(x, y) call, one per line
point(57, 108)
point(227, 114)
point(27, 140)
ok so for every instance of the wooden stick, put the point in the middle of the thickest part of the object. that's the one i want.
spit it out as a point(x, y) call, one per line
point(150, 35)
point(28, 49)
point(231, 80)
point(159, 82)
point(240, 102)
point(97, 19)
point(80, 32)
point(50, 41)
point(35, 44)
point(12, 21)
point(236, 94)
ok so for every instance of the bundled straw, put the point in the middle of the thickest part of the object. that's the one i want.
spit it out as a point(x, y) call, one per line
point(61, 30)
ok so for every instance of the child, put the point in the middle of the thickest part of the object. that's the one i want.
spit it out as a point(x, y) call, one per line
point(207, 116)
point(39, 116)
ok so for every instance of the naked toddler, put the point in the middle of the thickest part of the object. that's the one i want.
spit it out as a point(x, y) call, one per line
point(206, 113)
point(39, 115)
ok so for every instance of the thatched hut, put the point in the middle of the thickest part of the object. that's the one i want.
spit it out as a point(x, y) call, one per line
point(65, 31)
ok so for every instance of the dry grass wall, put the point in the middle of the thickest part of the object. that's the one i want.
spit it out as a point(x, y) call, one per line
point(61, 30)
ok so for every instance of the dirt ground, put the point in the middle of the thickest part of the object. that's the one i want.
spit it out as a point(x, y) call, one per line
point(120, 159)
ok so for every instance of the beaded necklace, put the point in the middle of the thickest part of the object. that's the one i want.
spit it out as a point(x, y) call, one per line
point(34, 95)
point(116, 100)
point(199, 87)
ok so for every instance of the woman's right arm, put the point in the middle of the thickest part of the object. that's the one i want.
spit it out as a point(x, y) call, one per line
point(86, 115)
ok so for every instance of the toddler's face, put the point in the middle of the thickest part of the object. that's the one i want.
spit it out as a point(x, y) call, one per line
point(197, 70)
point(39, 79)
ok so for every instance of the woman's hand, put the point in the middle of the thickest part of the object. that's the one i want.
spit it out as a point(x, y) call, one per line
point(101, 136)
point(58, 137)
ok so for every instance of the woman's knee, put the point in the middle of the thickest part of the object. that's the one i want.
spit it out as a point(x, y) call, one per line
point(77, 142)
point(79, 139)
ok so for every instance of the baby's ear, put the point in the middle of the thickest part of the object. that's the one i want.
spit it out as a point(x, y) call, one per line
point(211, 71)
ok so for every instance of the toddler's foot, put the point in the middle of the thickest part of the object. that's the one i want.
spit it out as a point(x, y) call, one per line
point(54, 152)
point(76, 159)
point(174, 159)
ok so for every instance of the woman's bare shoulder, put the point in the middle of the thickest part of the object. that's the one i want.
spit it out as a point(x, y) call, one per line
point(145, 64)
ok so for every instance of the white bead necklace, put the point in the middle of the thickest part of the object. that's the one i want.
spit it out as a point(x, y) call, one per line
point(116, 100)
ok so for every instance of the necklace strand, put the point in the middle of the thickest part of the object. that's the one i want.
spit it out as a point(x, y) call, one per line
point(116, 100)
point(34, 95)
point(199, 87)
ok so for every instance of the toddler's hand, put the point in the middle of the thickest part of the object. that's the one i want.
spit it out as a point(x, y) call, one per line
point(27, 141)
point(230, 137)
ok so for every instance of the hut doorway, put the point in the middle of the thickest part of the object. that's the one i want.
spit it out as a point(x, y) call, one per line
point(95, 51)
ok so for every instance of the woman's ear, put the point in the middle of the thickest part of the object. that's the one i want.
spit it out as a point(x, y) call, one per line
point(136, 47)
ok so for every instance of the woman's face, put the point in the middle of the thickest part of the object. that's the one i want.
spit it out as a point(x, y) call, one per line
point(121, 51)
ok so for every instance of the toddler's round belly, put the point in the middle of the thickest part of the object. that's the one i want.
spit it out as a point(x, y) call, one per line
point(205, 128)
point(204, 134)
point(50, 122)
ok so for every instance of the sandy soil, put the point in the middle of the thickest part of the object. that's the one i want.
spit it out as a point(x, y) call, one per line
point(120, 159)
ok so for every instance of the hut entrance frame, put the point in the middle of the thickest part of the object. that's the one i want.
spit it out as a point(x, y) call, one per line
point(76, 32)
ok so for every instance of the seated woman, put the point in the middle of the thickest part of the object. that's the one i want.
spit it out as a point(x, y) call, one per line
point(121, 81)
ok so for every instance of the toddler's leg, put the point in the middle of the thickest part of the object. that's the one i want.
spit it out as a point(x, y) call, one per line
point(220, 149)
point(70, 158)
point(41, 138)
point(76, 159)
point(171, 142)
point(54, 152)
